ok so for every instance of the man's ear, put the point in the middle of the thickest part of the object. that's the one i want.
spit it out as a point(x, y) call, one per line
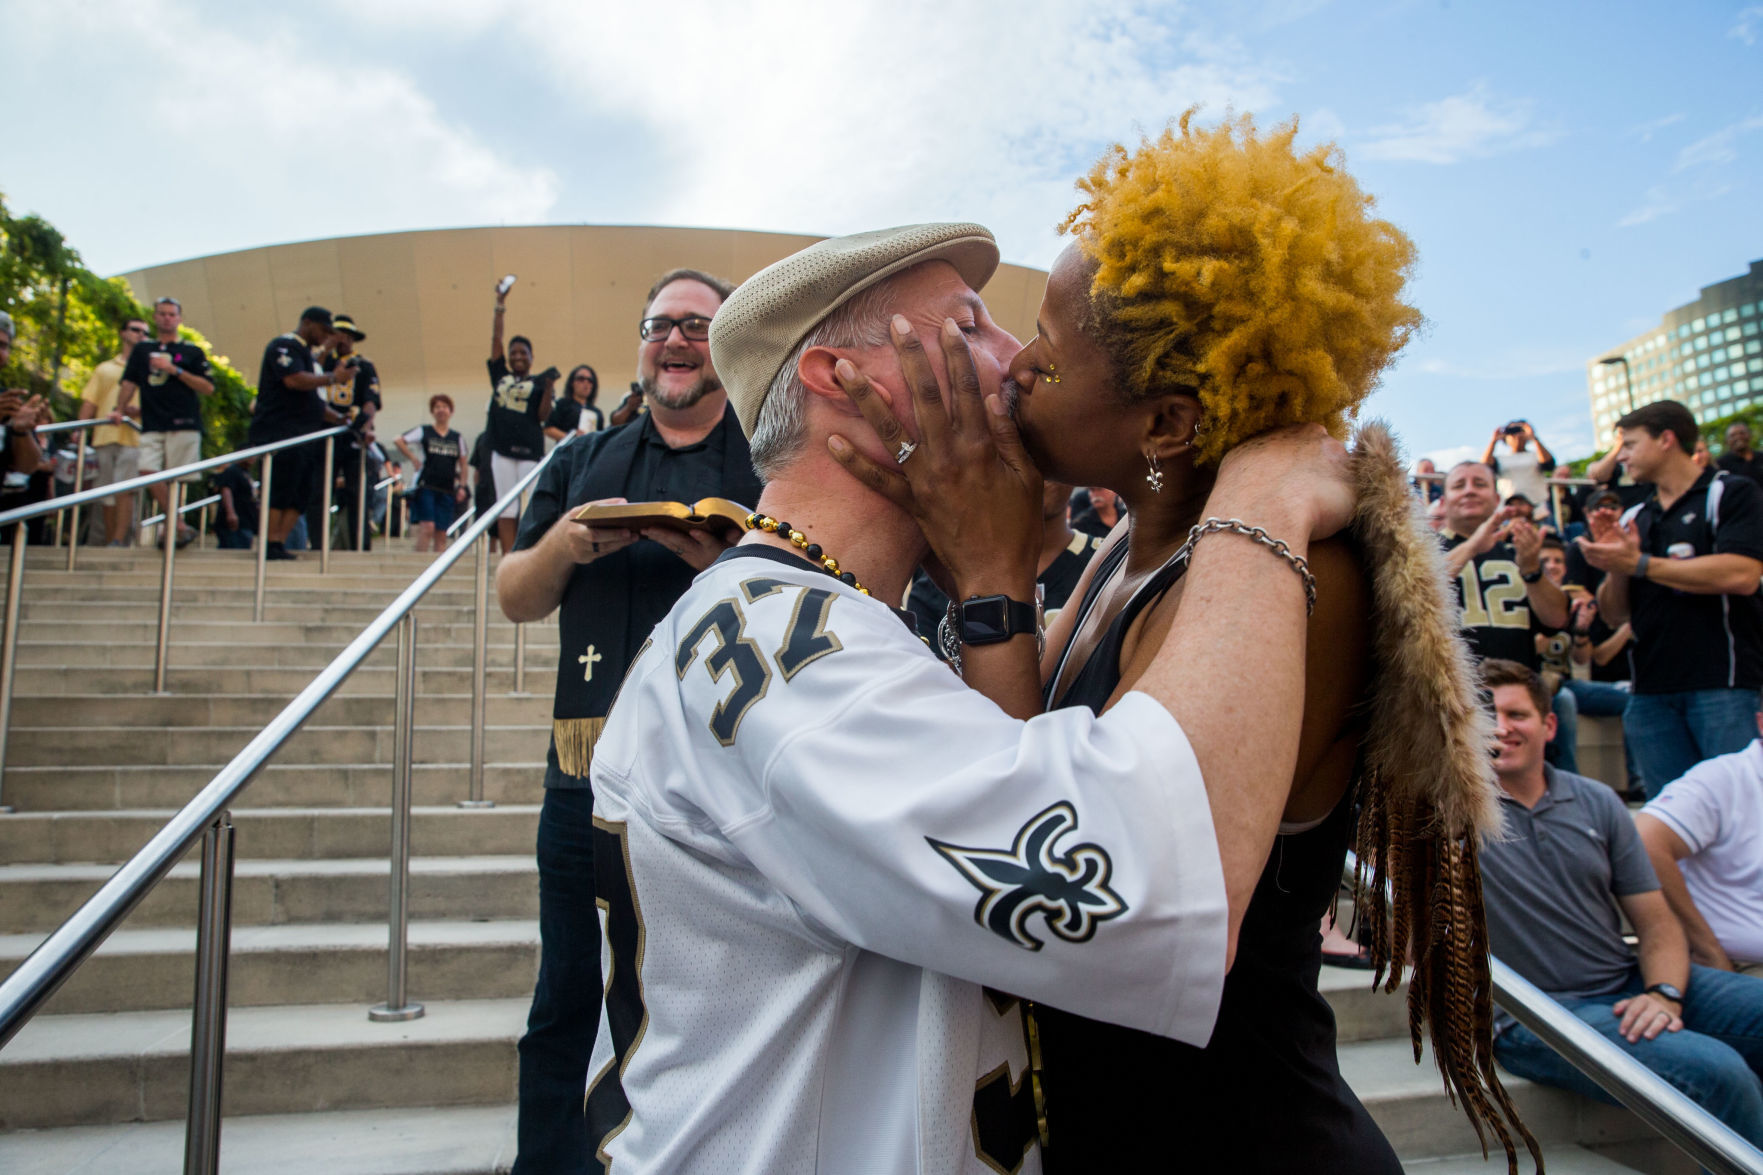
point(816, 371)
point(1170, 421)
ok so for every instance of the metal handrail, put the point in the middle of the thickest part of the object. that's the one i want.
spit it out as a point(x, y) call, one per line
point(210, 500)
point(18, 516)
point(462, 520)
point(44, 430)
point(1658, 1103)
point(207, 817)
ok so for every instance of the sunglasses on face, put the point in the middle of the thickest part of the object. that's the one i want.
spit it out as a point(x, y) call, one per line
point(695, 328)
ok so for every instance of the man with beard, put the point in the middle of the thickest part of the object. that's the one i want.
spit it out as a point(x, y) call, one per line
point(519, 401)
point(613, 586)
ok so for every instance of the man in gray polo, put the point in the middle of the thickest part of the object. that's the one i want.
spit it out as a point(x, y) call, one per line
point(1552, 890)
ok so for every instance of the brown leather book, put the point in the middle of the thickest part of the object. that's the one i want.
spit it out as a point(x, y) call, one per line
point(719, 516)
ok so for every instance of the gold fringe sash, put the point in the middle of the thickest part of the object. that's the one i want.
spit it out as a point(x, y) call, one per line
point(575, 739)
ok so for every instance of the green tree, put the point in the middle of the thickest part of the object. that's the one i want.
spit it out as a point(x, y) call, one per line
point(67, 317)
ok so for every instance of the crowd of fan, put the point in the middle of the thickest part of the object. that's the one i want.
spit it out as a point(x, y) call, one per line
point(1630, 593)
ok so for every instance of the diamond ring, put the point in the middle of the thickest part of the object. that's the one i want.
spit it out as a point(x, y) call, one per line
point(907, 448)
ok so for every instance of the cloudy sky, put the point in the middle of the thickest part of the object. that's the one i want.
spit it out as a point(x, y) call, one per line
point(1569, 171)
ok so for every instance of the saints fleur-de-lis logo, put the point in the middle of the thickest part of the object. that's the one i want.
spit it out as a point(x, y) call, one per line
point(1069, 890)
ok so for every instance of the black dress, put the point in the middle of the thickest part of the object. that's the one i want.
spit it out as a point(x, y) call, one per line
point(1266, 1094)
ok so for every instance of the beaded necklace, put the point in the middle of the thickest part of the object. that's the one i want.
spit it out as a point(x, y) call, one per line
point(770, 525)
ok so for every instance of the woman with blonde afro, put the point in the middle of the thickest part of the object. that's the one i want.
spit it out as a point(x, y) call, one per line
point(1223, 282)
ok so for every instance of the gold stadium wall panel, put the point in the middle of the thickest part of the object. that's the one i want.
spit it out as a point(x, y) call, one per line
point(424, 299)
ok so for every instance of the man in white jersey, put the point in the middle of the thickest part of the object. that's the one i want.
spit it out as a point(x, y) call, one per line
point(821, 858)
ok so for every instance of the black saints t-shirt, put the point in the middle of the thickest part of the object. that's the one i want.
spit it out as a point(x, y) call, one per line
point(442, 455)
point(513, 425)
point(167, 403)
point(284, 411)
point(365, 390)
point(1496, 606)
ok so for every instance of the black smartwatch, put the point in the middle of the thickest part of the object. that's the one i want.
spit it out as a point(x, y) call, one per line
point(1669, 992)
point(1533, 577)
point(986, 620)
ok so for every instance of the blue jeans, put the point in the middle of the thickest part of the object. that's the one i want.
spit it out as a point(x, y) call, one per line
point(1717, 1059)
point(559, 1040)
point(1605, 699)
point(1562, 752)
point(1671, 733)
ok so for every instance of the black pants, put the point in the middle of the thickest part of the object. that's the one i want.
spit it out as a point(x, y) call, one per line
point(559, 1040)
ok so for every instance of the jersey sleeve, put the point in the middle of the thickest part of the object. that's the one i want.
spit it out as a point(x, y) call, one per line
point(498, 368)
point(1690, 807)
point(1741, 519)
point(549, 498)
point(413, 438)
point(195, 361)
point(1070, 859)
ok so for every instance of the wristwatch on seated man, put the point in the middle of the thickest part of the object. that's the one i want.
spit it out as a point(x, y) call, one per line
point(1667, 990)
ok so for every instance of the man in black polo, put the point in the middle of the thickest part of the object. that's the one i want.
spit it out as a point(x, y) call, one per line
point(1683, 569)
point(291, 401)
point(171, 377)
point(1738, 457)
point(613, 586)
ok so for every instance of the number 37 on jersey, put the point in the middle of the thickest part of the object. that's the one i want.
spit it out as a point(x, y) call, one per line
point(733, 655)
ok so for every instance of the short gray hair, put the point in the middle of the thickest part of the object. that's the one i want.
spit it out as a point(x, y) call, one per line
point(781, 430)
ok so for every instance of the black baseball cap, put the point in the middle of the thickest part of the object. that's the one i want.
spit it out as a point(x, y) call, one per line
point(316, 314)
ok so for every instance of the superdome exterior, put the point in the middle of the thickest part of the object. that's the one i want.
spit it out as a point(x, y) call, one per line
point(424, 299)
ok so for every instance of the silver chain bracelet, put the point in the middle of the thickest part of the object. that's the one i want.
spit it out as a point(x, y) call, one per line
point(1277, 546)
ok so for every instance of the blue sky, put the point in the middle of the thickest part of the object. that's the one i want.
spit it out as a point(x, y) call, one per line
point(1569, 171)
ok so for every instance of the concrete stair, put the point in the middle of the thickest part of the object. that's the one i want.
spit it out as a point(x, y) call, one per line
point(97, 764)
point(97, 1082)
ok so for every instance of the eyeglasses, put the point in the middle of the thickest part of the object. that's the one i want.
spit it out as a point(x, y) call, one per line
point(585, 376)
point(696, 328)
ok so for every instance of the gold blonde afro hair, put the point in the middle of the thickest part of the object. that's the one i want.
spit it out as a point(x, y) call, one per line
point(1230, 267)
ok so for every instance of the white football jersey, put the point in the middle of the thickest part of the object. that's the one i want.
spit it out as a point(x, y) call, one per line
point(819, 857)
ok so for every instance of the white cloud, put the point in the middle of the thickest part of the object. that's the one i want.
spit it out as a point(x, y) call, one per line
point(1512, 364)
point(1746, 23)
point(1719, 147)
point(254, 128)
point(1646, 130)
point(1470, 125)
point(814, 117)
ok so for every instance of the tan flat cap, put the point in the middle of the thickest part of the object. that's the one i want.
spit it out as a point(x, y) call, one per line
point(765, 319)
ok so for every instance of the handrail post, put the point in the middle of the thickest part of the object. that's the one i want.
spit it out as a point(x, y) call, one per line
point(262, 536)
point(79, 483)
point(398, 1005)
point(479, 651)
point(201, 527)
point(214, 921)
point(174, 498)
point(520, 635)
point(362, 498)
point(9, 652)
point(330, 496)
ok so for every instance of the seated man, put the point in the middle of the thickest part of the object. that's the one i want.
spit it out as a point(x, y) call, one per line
point(1571, 849)
point(1705, 837)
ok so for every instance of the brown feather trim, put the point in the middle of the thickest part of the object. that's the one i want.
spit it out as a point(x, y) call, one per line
point(1427, 793)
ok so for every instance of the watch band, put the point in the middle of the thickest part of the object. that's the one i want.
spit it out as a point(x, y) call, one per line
point(1640, 567)
point(1533, 577)
point(987, 620)
point(1669, 991)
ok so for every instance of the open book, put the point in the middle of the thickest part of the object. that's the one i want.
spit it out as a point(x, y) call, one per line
point(719, 516)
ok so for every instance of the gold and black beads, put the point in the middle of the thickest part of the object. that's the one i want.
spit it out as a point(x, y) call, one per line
point(813, 551)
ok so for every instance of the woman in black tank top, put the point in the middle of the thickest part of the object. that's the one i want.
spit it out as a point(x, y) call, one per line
point(1220, 285)
point(1267, 1088)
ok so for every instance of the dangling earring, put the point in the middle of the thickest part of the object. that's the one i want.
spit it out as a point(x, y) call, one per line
point(1155, 477)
